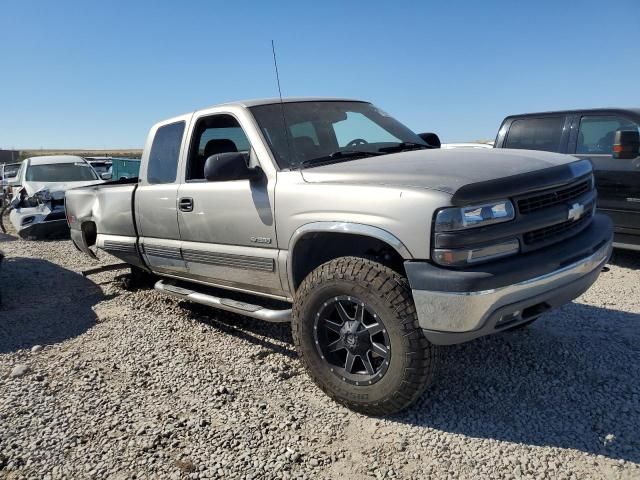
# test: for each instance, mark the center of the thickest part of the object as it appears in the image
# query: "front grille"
(555, 197)
(555, 231)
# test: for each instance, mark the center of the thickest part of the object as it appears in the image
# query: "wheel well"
(314, 249)
(89, 233)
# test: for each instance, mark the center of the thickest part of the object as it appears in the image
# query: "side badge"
(260, 240)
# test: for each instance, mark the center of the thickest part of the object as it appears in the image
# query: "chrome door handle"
(186, 204)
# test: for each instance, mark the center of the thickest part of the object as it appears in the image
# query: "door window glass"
(213, 135)
(536, 134)
(596, 133)
(165, 151)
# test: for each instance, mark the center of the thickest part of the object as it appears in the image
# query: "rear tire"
(394, 362)
(138, 279)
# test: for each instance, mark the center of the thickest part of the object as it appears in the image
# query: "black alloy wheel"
(352, 339)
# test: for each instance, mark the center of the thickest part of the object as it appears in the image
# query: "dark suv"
(608, 137)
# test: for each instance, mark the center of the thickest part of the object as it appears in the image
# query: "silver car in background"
(38, 202)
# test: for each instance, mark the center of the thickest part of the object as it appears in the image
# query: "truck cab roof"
(633, 111)
(270, 101)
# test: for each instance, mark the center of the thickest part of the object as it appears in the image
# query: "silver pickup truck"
(377, 246)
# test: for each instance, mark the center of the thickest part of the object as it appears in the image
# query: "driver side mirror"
(105, 176)
(626, 144)
(225, 167)
(430, 139)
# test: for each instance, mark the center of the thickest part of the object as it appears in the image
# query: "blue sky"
(91, 74)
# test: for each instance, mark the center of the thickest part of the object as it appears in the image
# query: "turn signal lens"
(460, 257)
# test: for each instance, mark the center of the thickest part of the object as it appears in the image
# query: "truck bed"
(102, 215)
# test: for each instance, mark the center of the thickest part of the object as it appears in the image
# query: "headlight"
(460, 218)
(453, 221)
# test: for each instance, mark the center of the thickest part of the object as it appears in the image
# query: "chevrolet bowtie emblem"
(575, 212)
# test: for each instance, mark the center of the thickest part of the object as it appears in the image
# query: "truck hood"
(443, 170)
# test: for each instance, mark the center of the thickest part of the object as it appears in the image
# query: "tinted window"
(596, 133)
(60, 172)
(165, 150)
(213, 135)
(536, 134)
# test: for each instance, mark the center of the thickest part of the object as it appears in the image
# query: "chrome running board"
(228, 304)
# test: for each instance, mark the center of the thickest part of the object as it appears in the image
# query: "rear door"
(155, 199)
(617, 180)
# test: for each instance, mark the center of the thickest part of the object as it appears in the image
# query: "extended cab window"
(213, 135)
(536, 134)
(165, 151)
(596, 133)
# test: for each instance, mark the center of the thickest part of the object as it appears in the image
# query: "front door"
(227, 227)
(617, 180)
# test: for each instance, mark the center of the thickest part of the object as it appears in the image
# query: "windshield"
(330, 131)
(60, 172)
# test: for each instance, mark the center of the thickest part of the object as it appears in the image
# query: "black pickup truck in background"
(609, 138)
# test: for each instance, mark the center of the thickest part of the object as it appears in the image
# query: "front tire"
(356, 331)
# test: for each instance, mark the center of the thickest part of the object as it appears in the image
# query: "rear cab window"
(164, 155)
(540, 133)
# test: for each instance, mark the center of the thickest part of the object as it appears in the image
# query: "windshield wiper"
(341, 155)
(402, 146)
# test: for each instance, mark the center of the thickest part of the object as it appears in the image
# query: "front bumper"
(44, 229)
(463, 305)
(42, 221)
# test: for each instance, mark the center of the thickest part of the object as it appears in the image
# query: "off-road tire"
(413, 360)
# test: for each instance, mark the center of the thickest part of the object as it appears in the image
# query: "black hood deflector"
(520, 184)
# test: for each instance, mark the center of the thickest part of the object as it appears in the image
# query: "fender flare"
(342, 227)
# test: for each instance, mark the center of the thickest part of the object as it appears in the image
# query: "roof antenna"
(284, 120)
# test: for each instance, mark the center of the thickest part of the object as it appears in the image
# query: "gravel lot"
(99, 382)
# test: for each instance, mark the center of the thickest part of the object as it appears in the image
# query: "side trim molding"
(162, 251)
(229, 260)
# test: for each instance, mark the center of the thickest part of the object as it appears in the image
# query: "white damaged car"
(38, 204)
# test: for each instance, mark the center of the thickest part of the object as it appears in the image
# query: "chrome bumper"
(455, 317)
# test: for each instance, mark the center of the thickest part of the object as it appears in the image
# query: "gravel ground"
(99, 382)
